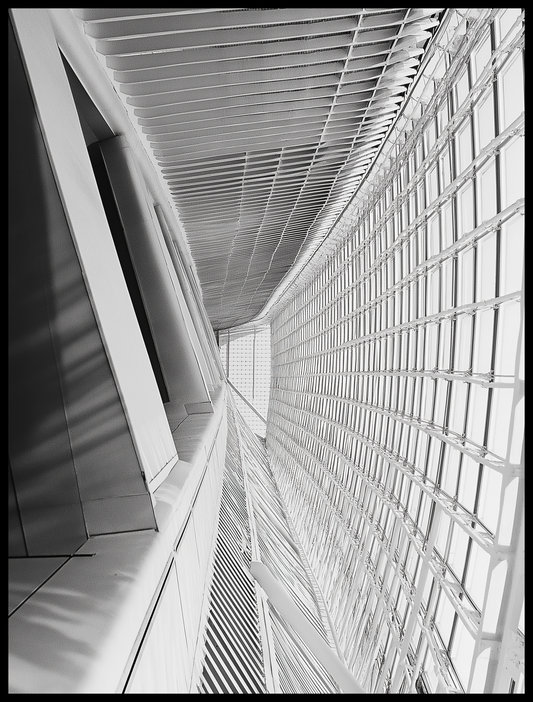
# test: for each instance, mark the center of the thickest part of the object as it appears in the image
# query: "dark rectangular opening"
(121, 245)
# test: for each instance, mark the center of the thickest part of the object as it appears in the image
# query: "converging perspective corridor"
(266, 350)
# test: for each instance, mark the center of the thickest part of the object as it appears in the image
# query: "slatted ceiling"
(250, 35)
(180, 22)
(261, 121)
(189, 71)
(107, 14)
(250, 122)
(243, 53)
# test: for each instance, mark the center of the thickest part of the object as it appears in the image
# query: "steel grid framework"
(395, 427)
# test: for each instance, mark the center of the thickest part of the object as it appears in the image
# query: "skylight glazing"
(395, 426)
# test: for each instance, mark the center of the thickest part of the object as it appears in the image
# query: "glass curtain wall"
(395, 425)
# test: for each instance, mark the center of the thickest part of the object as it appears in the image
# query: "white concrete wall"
(88, 225)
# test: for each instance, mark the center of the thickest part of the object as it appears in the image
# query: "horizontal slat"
(243, 65)
(104, 14)
(179, 23)
(252, 35)
(179, 57)
(352, 92)
(224, 80)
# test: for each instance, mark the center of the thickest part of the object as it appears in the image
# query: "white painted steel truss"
(395, 427)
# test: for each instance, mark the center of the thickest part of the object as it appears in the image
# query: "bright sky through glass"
(247, 367)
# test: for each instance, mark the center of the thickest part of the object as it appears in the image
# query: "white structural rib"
(292, 614)
(262, 122)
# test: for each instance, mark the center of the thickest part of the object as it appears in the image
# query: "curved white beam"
(305, 630)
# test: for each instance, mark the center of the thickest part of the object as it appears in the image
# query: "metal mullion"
(468, 393)
(230, 558)
(497, 281)
(227, 527)
(225, 565)
(482, 469)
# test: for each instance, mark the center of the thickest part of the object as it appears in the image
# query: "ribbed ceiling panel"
(262, 121)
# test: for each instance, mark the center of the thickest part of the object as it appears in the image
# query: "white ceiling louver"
(262, 122)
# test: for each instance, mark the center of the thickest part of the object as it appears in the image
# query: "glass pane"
(431, 135)
(442, 117)
(444, 617)
(489, 503)
(512, 255)
(483, 341)
(458, 407)
(465, 209)
(465, 291)
(447, 225)
(487, 192)
(451, 470)
(431, 360)
(462, 88)
(476, 576)
(468, 483)
(446, 174)
(462, 652)
(507, 19)
(434, 235)
(463, 342)
(440, 402)
(506, 350)
(428, 391)
(458, 548)
(486, 267)
(512, 171)
(512, 91)
(481, 57)
(477, 414)
(444, 363)
(434, 291)
(485, 121)
(464, 146)
(447, 284)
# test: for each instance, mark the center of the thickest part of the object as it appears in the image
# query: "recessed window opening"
(95, 130)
